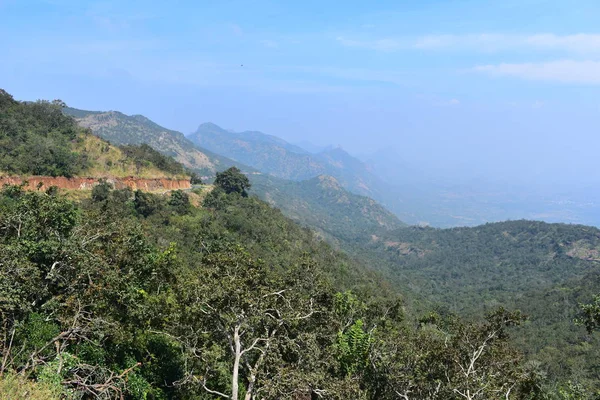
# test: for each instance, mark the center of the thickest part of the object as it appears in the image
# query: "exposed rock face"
(82, 183)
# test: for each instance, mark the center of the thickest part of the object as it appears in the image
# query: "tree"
(180, 202)
(195, 178)
(233, 180)
(146, 204)
(590, 315)
(101, 191)
(236, 311)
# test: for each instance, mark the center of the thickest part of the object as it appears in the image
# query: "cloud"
(483, 42)
(565, 71)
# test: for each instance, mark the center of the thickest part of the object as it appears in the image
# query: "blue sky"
(499, 89)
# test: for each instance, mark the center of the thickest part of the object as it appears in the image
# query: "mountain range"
(322, 202)
(276, 157)
(122, 129)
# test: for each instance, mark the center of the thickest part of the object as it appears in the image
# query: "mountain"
(121, 129)
(305, 202)
(276, 157)
(39, 140)
(324, 205)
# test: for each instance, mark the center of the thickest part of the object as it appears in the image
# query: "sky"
(500, 90)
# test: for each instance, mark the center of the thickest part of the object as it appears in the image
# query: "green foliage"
(353, 347)
(144, 155)
(127, 296)
(324, 205)
(17, 387)
(590, 315)
(35, 139)
(101, 191)
(232, 180)
(180, 202)
(195, 178)
(146, 204)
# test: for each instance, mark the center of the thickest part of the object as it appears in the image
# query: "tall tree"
(232, 180)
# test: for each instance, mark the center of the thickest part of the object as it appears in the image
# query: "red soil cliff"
(88, 183)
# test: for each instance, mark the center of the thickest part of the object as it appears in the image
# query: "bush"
(16, 387)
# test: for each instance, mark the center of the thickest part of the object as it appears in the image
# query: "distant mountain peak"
(210, 126)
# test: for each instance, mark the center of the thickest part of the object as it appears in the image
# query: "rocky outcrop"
(83, 183)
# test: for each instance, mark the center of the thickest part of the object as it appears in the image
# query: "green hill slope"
(37, 139)
(470, 268)
(324, 205)
(334, 212)
(543, 269)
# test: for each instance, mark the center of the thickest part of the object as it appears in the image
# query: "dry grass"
(15, 387)
(109, 161)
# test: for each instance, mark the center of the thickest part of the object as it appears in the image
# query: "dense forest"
(134, 295)
(144, 296)
(544, 270)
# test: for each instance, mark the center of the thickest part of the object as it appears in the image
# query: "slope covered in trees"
(36, 138)
(329, 209)
(324, 205)
(543, 269)
(135, 295)
(144, 296)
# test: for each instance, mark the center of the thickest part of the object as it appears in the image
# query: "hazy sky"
(503, 89)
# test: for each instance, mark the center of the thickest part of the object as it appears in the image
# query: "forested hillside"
(332, 210)
(144, 296)
(137, 295)
(128, 294)
(543, 269)
(37, 139)
(323, 204)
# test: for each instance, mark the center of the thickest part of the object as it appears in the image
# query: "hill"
(274, 156)
(142, 296)
(333, 213)
(543, 269)
(146, 297)
(122, 129)
(322, 204)
(38, 140)
(482, 266)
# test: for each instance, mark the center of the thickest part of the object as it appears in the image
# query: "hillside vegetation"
(329, 209)
(543, 269)
(139, 296)
(36, 138)
(133, 295)
(323, 204)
